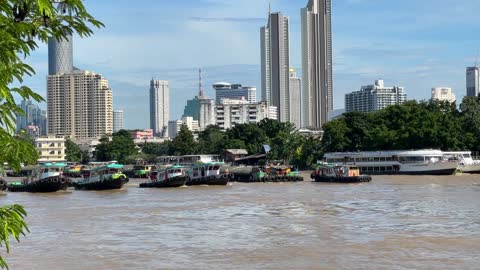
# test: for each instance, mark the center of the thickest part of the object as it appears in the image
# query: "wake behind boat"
(104, 177)
(171, 177)
(45, 178)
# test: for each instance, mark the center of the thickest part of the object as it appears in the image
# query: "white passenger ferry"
(415, 162)
(466, 163)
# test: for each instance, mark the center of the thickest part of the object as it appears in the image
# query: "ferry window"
(389, 159)
(467, 156)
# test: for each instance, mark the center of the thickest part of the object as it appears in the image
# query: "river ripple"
(391, 223)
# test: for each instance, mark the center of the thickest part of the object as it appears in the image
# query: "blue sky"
(411, 43)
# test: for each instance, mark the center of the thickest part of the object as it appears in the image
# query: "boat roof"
(54, 165)
(427, 152)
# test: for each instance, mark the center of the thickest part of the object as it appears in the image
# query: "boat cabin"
(171, 172)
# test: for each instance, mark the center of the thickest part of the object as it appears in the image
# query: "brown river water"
(395, 222)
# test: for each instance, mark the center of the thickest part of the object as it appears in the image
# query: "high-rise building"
(225, 90)
(231, 112)
(317, 98)
(79, 105)
(207, 113)
(60, 55)
(374, 97)
(159, 107)
(175, 126)
(275, 63)
(443, 94)
(117, 120)
(473, 81)
(295, 99)
(33, 119)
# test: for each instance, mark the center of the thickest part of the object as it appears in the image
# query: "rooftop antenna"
(200, 86)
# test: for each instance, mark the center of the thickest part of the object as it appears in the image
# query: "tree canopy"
(118, 148)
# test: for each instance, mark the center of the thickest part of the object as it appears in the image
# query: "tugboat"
(208, 174)
(104, 177)
(175, 176)
(330, 173)
(46, 178)
(281, 174)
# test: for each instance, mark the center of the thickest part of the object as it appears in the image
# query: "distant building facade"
(207, 113)
(50, 149)
(175, 126)
(79, 105)
(443, 94)
(234, 112)
(159, 107)
(142, 134)
(34, 118)
(275, 64)
(117, 120)
(317, 90)
(225, 90)
(473, 81)
(295, 99)
(374, 97)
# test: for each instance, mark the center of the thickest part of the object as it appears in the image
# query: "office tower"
(60, 55)
(34, 119)
(79, 105)
(317, 98)
(295, 99)
(275, 63)
(117, 120)
(374, 97)
(443, 94)
(232, 112)
(473, 81)
(159, 107)
(175, 126)
(225, 90)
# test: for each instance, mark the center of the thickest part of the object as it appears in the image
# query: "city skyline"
(363, 51)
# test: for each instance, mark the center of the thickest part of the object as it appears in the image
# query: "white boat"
(414, 162)
(466, 163)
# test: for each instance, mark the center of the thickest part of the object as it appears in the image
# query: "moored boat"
(281, 173)
(104, 177)
(175, 176)
(46, 178)
(208, 174)
(414, 162)
(466, 164)
(330, 173)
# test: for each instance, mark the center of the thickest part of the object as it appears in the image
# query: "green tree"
(273, 127)
(24, 23)
(156, 149)
(73, 153)
(184, 143)
(285, 146)
(252, 136)
(213, 140)
(118, 148)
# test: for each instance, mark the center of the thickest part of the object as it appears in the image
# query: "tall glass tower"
(60, 56)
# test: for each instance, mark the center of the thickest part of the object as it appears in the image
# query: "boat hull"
(221, 180)
(169, 183)
(107, 184)
(343, 179)
(471, 168)
(47, 185)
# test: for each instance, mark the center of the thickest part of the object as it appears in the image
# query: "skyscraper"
(34, 116)
(275, 63)
(60, 55)
(225, 90)
(473, 81)
(79, 105)
(317, 98)
(295, 99)
(374, 97)
(117, 120)
(159, 107)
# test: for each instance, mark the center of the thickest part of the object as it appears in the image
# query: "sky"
(410, 43)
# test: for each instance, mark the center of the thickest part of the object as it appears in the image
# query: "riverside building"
(231, 112)
(50, 149)
(275, 64)
(317, 90)
(473, 81)
(159, 107)
(443, 94)
(374, 97)
(225, 90)
(79, 105)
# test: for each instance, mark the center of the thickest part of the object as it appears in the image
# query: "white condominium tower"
(159, 107)
(79, 105)
(275, 64)
(317, 98)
